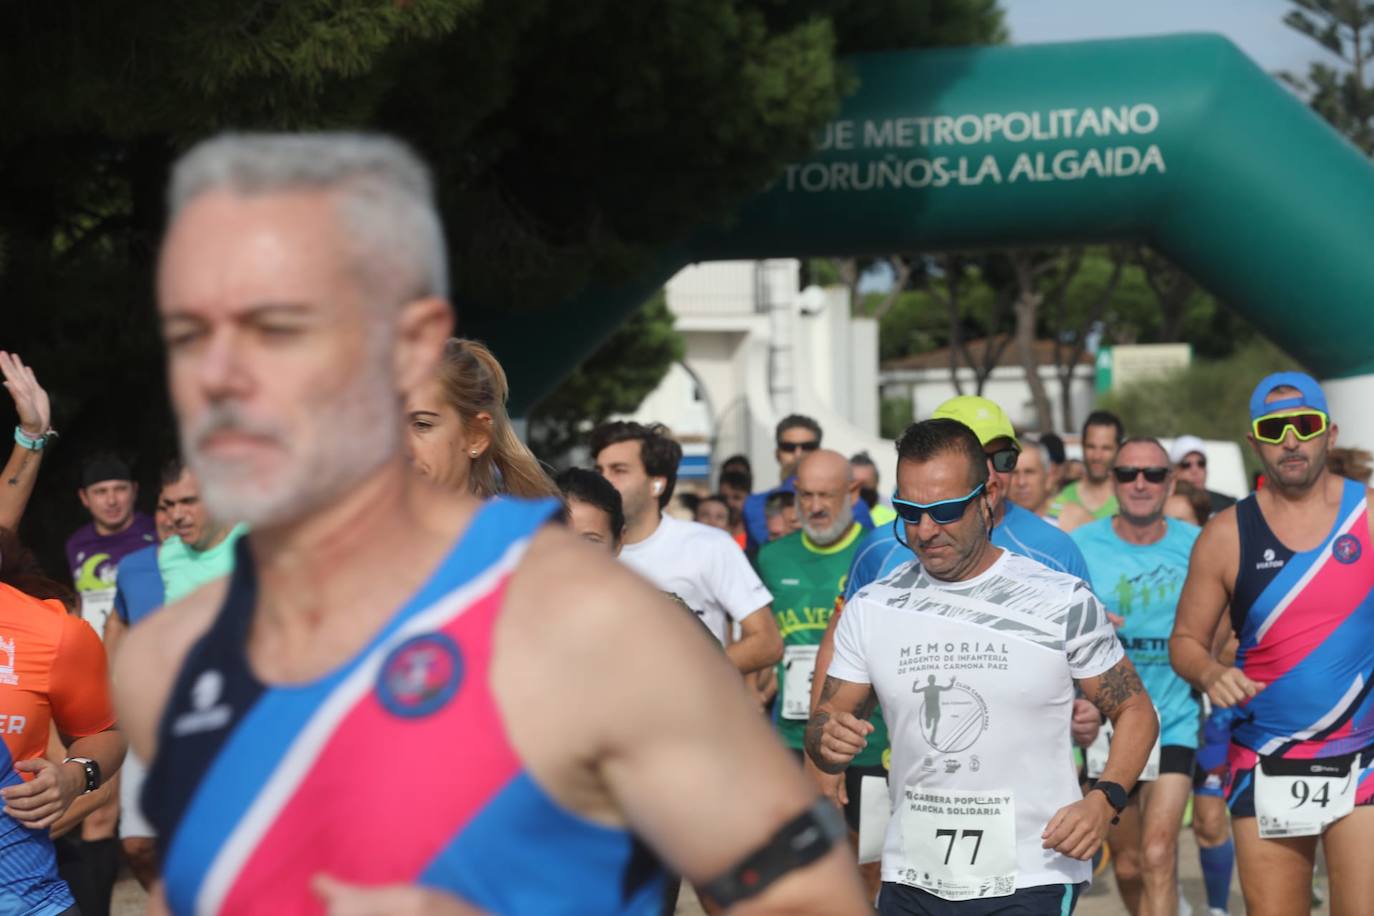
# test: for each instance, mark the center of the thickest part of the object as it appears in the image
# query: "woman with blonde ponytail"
(460, 435)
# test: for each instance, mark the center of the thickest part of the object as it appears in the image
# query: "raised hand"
(30, 400)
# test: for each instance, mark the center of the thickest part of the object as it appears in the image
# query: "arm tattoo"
(23, 463)
(812, 740)
(829, 688)
(816, 726)
(1115, 687)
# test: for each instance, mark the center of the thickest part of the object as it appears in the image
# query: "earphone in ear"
(658, 487)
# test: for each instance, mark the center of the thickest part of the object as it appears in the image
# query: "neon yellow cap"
(984, 417)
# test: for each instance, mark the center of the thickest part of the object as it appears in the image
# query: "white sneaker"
(1184, 907)
(1216, 911)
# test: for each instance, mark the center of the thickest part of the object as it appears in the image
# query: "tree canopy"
(569, 141)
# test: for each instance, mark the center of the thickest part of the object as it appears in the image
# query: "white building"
(925, 379)
(757, 350)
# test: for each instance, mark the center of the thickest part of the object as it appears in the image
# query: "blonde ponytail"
(473, 382)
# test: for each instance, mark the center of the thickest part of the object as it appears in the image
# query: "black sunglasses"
(1193, 463)
(803, 446)
(1128, 474)
(1004, 460)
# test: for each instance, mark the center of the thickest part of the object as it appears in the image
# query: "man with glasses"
(1189, 456)
(1294, 564)
(796, 436)
(1013, 528)
(1139, 561)
(986, 806)
(1092, 497)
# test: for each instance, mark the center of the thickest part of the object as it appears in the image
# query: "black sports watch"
(92, 769)
(1116, 796)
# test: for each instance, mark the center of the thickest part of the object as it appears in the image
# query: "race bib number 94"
(959, 845)
(1303, 797)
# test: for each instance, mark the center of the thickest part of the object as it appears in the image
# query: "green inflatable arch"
(1181, 142)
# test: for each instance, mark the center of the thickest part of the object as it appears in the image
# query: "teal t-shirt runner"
(184, 570)
(1142, 585)
(806, 582)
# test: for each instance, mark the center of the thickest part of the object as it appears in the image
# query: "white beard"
(824, 537)
(340, 443)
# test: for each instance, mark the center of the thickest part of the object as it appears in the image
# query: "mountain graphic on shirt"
(1140, 590)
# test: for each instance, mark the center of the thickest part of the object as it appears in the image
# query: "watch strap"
(92, 772)
(1111, 792)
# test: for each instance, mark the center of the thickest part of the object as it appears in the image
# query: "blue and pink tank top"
(1305, 621)
(395, 768)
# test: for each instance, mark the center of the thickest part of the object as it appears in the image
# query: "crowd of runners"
(370, 657)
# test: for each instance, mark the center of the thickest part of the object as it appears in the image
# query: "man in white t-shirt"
(701, 565)
(973, 653)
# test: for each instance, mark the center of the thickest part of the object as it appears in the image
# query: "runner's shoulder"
(23, 613)
(778, 550)
(1219, 538)
(882, 590)
(1097, 529)
(698, 535)
(1074, 515)
(150, 658)
(1048, 586)
(568, 590)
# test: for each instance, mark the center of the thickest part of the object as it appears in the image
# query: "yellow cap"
(985, 418)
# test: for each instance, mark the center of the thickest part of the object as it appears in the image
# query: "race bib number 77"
(959, 845)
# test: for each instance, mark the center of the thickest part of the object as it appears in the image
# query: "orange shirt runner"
(52, 670)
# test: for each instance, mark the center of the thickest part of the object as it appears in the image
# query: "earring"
(473, 453)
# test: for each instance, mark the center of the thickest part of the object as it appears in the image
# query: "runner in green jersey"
(806, 572)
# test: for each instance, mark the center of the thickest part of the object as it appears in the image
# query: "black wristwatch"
(1116, 796)
(92, 769)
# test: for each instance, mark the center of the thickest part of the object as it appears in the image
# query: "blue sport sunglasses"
(944, 512)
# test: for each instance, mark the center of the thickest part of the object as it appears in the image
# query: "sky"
(1255, 25)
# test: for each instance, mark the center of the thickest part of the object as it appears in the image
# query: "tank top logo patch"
(1346, 549)
(420, 675)
(1269, 562)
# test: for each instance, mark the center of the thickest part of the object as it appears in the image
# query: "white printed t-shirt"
(1004, 649)
(704, 567)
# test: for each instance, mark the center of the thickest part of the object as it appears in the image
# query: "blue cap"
(1309, 394)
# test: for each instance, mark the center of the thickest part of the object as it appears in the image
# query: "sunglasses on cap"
(1127, 474)
(809, 446)
(944, 512)
(1004, 460)
(1273, 429)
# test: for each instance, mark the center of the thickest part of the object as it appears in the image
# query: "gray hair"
(1045, 460)
(383, 191)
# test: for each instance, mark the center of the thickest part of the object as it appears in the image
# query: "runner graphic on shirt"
(930, 705)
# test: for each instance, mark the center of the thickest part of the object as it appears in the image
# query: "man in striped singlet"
(404, 700)
(1294, 564)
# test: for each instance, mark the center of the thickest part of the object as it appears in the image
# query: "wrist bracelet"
(33, 444)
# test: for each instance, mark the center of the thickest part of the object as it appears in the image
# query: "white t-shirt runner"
(975, 679)
(704, 567)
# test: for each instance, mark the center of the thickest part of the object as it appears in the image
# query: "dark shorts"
(1240, 779)
(1045, 900)
(853, 780)
(1173, 758)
